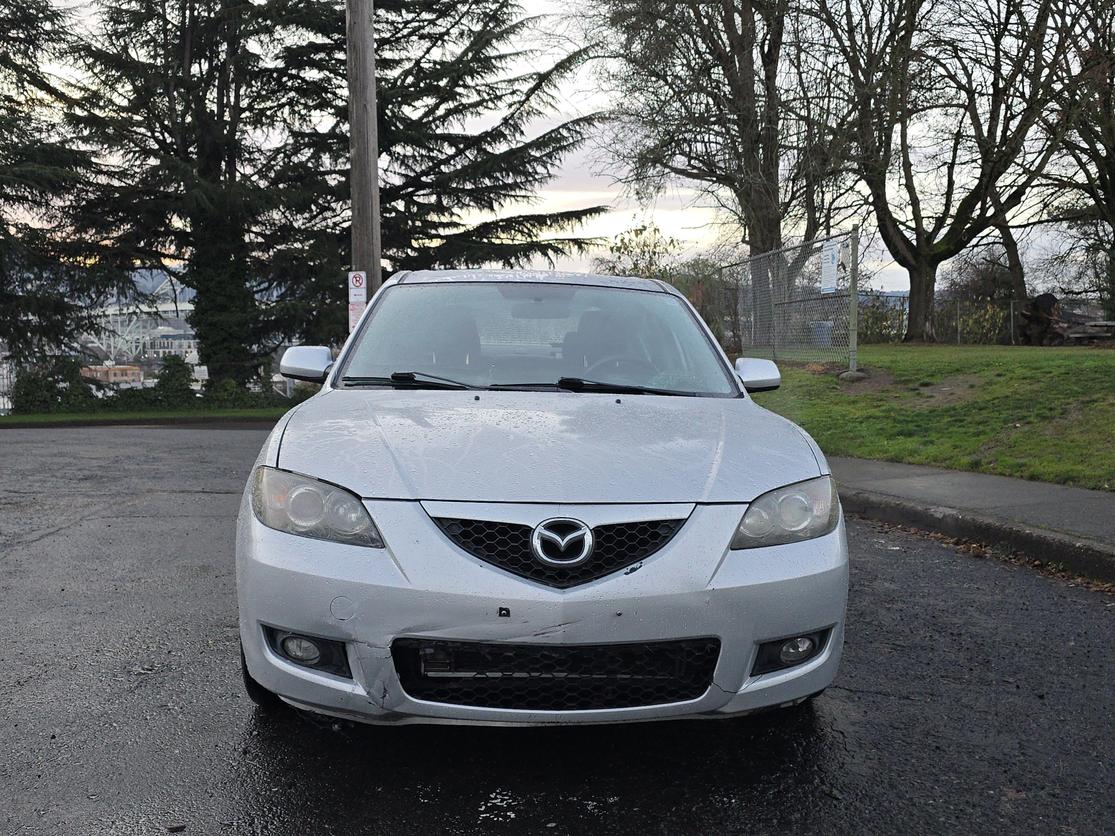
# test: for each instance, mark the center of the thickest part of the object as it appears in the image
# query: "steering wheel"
(619, 359)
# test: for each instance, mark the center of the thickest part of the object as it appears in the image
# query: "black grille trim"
(541, 677)
(507, 545)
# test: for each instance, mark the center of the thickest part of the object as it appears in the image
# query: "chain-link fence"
(980, 321)
(792, 304)
(7, 382)
(883, 319)
(795, 305)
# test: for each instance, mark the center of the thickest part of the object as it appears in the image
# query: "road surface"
(975, 695)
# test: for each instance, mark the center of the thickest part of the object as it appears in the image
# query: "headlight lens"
(790, 514)
(304, 506)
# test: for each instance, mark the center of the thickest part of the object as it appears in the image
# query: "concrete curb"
(1090, 558)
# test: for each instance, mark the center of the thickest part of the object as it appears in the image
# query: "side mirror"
(758, 375)
(306, 362)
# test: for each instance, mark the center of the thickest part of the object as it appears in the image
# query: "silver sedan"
(537, 498)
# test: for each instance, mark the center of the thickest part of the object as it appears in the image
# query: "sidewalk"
(1051, 523)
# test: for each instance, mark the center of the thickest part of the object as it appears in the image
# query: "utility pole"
(363, 141)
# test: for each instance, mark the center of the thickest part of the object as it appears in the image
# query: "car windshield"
(508, 334)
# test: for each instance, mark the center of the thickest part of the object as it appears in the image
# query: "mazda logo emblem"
(561, 541)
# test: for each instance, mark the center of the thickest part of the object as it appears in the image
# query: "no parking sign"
(357, 296)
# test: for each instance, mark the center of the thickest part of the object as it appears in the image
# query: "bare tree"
(946, 99)
(1084, 182)
(721, 94)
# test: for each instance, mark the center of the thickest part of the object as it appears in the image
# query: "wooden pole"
(363, 141)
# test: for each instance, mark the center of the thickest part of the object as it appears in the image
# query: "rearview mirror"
(306, 362)
(758, 375)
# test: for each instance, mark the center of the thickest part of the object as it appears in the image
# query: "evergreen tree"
(171, 103)
(45, 286)
(222, 126)
(459, 97)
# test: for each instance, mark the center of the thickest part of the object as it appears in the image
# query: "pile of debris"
(1044, 322)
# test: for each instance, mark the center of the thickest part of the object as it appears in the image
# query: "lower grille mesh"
(555, 677)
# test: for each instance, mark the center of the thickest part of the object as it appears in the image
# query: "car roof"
(532, 276)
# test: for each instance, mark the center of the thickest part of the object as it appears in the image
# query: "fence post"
(958, 322)
(1012, 322)
(853, 303)
(772, 280)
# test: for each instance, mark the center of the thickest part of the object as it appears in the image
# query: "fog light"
(779, 654)
(796, 650)
(322, 655)
(301, 650)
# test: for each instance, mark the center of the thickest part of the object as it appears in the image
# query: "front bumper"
(423, 586)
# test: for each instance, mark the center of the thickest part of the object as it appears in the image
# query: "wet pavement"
(975, 695)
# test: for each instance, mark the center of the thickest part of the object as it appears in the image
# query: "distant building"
(118, 376)
(180, 343)
(130, 335)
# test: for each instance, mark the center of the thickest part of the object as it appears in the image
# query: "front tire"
(263, 698)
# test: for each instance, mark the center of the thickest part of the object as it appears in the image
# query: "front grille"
(507, 546)
(555, 677)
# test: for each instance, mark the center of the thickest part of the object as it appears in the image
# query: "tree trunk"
(224, 315)
(919, 324)
(766, 278)
(761, 300)
(1018, 290)
(1109, 295)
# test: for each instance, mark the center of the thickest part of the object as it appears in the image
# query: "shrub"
(227, 394)
(53, 386)
(132, 400)
(172, 386)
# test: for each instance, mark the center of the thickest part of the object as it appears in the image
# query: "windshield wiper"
(408, 380)
(578, 384)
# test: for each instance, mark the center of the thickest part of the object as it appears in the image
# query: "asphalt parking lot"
(975, 695)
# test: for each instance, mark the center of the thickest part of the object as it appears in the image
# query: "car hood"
(553, 447)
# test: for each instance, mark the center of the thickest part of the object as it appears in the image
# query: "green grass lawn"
(185, 415)
(1038, 413)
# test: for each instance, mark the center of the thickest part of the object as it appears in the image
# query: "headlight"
(304, 506)
(787, 515)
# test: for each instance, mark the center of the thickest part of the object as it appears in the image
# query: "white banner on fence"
(357, 296)
(830, 261)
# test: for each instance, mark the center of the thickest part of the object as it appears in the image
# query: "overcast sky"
(586, 179)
